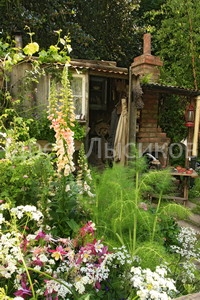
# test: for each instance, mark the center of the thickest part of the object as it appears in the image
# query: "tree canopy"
(177, 39)
(99, 29)
(113, 29)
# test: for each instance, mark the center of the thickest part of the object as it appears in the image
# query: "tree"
(43, 17)
(113, 29)
(99, 29)
(178, 42)
(112, 26)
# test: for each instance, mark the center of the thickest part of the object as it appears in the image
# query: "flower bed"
(36, 265)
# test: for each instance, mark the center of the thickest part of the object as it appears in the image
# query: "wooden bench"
(185, 177)
(173, 198)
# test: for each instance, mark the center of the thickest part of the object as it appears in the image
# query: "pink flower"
(23, 291)
(143, 206)
(89, 228)
(50, 294)
(40, 235)
(58, 253)
(38, 250)
(38, 262)
(91, 251)
(24, 244)
(97, 285)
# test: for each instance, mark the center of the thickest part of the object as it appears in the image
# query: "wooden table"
(186, 180)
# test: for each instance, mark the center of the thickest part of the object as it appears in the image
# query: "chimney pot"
(147, 64)
(147, 44)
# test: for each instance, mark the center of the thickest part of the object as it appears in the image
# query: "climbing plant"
(171, 120)
(41, 62)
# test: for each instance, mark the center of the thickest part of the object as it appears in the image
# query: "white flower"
(9, 269)
(136, 270)
(98, 246)
(152, 285)
(29, 210)
(4, 206)
(31, 237)
(187, 239)
(2, 219)
(91, 194)
(37, 268)
(43, 257)
(67, 188)
(80, 283)
(161, 271)
(3, 134)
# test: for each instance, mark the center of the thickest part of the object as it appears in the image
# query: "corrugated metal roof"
(170, 89)
(110, 67)
(98, 66)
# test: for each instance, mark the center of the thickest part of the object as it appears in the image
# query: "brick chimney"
(147, 64)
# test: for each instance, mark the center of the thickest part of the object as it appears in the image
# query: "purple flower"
(38, 262)
(23, 291)
(40, 235)
(97, 285)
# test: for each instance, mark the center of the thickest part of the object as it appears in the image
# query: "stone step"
(152, 124)
(149, 129)
(154, 133)
(150, 111)
(195, 296)
(154, 140)
(187, 223)
(195, 220)
(149, 120)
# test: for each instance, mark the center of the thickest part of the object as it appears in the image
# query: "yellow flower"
(56, 255)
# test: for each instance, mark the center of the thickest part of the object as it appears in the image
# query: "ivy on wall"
(172, 117)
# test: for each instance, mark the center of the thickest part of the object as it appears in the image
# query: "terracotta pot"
(178, 168)
(189, 172)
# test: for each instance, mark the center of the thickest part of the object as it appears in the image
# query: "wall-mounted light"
(189, 116)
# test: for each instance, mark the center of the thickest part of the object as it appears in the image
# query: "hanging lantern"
(189, 116)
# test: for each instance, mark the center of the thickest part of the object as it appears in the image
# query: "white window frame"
(83, 106)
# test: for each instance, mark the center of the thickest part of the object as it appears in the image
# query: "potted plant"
(79, 134)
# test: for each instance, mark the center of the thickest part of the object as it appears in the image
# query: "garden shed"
(105, 87)
(106, 95)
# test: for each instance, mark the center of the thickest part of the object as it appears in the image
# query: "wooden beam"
(196, 127)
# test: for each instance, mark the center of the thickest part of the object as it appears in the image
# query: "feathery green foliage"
(152, 254)
(122, 210)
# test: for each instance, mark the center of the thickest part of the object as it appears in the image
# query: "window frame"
(83, 95)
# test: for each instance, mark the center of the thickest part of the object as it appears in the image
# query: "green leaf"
(53, 48)
(73, 225)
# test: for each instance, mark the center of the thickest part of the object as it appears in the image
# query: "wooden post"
(189, 146)
(132, 110)
(196, 127)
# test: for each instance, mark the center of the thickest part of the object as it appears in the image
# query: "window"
(98, 93)
(78, 92)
